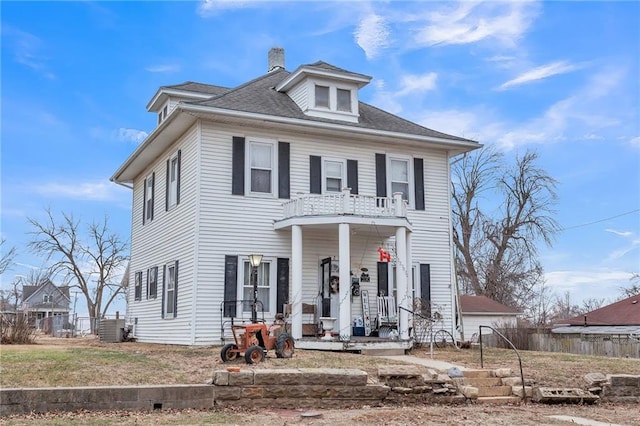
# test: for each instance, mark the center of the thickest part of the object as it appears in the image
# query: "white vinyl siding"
(228, 225)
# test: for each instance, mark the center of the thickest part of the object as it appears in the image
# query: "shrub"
(16, 330)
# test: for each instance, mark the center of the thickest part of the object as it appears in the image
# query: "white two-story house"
(292, 166)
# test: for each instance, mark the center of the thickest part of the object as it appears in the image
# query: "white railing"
(345, 203)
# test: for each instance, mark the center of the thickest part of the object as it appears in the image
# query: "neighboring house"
(290, 165)
(619, 321)
(480, 310)
(45, 300)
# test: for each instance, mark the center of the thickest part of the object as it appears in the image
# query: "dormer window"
(322, 96)
(344, 100)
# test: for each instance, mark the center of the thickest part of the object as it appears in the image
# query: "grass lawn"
(87, 362)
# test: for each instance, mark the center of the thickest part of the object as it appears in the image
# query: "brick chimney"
(276, 59)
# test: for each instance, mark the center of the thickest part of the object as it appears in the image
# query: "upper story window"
(343, 100)
(47, 298)
(322, 96)
(149, 194)
(261, 167)
(400, 176)
(334, 175)
(173, 180)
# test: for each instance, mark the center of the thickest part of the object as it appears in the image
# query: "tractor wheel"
(229, 352)
(284, 346)
(254, 355)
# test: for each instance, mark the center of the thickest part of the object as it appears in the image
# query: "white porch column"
(296, 282)
(344, 253)
(402, 274)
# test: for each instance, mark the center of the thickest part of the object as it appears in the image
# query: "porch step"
(495, 391)
(382, 351)
(478, 374)
(498, 400)
(479, 382)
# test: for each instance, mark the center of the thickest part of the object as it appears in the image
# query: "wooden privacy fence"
(600, 345)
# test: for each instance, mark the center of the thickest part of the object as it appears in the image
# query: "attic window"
(47, 298)
(322, 96)
(344, 100)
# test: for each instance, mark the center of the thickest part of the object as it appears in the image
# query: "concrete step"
(495, 391)
(478, 373)
(498, 400)
(479, 382)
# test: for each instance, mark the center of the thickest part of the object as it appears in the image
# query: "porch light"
(255, 260)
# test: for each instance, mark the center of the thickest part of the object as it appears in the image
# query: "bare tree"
(633, 288)
(6, 258)
(91, 264)
(500, 214)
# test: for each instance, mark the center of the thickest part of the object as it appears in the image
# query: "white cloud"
(411, 84)
(372, 35)
(27, 49)
(163, 68)
(621, 233)
(208, 8)
(131, 135)
(635, 142)
(471, 22)
(88, 191)
(541, 72)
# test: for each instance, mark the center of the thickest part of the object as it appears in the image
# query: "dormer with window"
(324, 91)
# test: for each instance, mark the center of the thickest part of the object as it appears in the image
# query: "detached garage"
(480, 310)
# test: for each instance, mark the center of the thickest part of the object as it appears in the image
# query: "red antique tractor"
(253, 341)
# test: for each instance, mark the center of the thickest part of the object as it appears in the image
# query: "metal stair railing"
(524, 392)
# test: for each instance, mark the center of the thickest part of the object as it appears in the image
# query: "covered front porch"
(347, 230)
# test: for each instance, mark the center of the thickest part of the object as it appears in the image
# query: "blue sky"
(558, 77)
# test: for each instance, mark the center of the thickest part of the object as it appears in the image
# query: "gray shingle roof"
(192, 86)
(259, 96)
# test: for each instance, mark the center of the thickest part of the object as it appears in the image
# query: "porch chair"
(309, 319)
(387, 318)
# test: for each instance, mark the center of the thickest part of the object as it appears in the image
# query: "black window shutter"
(166, 188)
(418, 175)
(383, 279)
(230, 285)
(352, 175)
(283, 170)
(178, 177)
(175, 291)
(425, 286)
(153, 193)
(144, 201)
(282, 292)
(164, 283)
(381, 175)
(237, 173)
(315, 174)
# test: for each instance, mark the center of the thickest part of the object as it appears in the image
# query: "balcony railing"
(345, 203)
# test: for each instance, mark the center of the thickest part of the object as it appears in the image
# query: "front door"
(325, 286)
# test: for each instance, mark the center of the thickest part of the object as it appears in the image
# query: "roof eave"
(163, 93)
(299, 74)
(454, 145)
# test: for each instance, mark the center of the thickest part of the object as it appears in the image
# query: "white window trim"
(173, 186)
(165, 289)
(324, 175)
(411, 195)
(274, 167)
(332, 111)
(268, 310)
(149, 197)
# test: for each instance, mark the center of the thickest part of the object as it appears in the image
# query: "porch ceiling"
(359, 225)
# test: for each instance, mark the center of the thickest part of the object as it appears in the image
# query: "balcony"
(322, 207)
